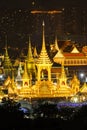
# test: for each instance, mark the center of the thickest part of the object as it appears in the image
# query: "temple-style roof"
(59, 54)
(43, 57)
(72, 55)
(75, 50)
(59, 57)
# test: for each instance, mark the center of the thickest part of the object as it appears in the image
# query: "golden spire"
(43, 58)
(29, 55)
(7, 63)
(35, 52)
(25, 75)
(63, 75)
(63, 78)
(43, 42)
(30, 60)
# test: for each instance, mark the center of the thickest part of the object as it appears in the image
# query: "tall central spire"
(43, 58)
(44, 61)
(43, 42)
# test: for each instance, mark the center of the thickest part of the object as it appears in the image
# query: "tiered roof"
(43, 57)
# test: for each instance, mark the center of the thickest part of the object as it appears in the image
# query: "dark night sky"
(45, 4)
(17, 23)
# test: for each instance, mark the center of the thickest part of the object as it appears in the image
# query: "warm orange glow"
(47, 12)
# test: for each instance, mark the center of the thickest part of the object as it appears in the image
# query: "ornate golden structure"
(43, 87)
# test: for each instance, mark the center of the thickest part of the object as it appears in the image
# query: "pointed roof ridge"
(75, 50)
(30, 55)
(75, 78)
(84, 88)
(59, 54)
(6, 81)
(43, 57)
(56, 43)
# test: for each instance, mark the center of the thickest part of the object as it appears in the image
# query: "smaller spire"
(6, 53)
(7, 62)
(25, 75)
(29, 55)
(63, 75)
(35, 52)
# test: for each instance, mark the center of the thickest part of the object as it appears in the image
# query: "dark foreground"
(54, 117)
(43, 124)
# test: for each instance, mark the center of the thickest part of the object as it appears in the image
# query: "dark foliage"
(49, 117)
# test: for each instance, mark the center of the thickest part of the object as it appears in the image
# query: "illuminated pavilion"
(44, 86)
